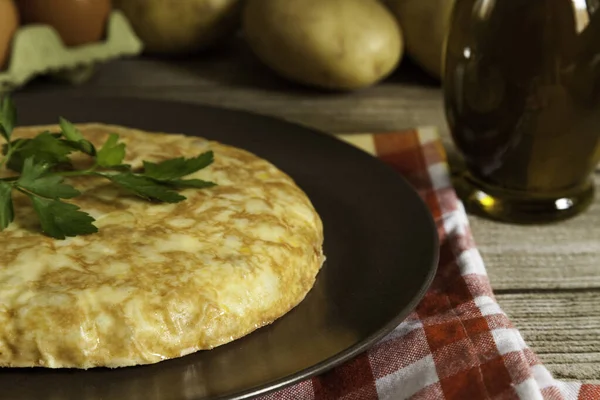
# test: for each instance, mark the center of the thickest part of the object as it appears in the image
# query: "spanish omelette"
(158, 281)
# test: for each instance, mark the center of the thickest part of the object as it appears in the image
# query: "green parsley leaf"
(112, 153)
(60, 220)
(190, 183)
(74, 137)
(83, 145)
(44, 148)
(42, 163)
(145, 187)
(177, 167)
(34, 179)
(8, 117)
(69, 130)
(7, 214)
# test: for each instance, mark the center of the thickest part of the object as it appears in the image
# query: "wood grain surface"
(547, 278)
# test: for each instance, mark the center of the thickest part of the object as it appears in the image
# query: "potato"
(334, 44)
(181, 26)
(425, 25)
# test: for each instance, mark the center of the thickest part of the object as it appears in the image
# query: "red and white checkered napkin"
(458, 344)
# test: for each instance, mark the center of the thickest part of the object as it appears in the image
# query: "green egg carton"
(38, 50)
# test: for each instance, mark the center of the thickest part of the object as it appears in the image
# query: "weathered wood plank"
(563, 328)
(234, 79)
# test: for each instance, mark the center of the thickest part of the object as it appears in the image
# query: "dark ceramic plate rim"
(354, 350)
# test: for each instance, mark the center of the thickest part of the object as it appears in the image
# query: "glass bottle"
(522, 96)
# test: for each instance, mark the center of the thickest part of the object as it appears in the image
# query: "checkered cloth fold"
(458, 344)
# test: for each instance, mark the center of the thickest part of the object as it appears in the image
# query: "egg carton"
(39, 50)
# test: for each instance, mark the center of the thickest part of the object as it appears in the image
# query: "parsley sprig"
(42, 163)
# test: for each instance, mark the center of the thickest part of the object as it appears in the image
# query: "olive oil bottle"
(522, 96)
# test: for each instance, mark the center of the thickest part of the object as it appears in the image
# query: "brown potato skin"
(425, 24)
(332, 44)
(172, 27)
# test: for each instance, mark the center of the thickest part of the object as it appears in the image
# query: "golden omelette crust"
(159, 280)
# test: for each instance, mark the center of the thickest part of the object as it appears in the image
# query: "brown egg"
(9, 22)
(77, 21)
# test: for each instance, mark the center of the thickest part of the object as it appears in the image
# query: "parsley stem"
(20, 189)
(10, 150)
(66, 174)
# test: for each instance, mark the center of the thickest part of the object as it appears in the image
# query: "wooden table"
(546, 278)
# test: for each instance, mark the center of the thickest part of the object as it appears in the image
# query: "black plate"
(380, 241)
